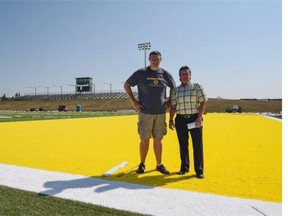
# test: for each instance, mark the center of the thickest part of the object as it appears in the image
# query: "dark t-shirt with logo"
(152, 88)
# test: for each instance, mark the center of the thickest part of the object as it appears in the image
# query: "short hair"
(184, 68)
(155, 52)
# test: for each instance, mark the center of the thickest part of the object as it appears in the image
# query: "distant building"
(83, 84)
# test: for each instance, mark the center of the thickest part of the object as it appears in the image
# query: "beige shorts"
(152, 125)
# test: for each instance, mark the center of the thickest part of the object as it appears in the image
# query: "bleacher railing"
(72, 95)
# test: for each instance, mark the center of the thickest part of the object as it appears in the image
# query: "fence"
(73, 95)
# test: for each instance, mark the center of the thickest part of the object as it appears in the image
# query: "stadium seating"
(81, 96)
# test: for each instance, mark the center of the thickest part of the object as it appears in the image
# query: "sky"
(233, 48)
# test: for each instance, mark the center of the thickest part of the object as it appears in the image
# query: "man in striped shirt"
(188, 101)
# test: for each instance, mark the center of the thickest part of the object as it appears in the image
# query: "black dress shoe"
(200, 176)
(181, 172)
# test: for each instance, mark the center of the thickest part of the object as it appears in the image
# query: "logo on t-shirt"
(155, 80)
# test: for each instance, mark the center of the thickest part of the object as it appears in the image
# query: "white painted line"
(273, 118)
(132, 197)
(5, 117)
(114, 169)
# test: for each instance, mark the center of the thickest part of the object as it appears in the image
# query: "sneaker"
(162, 169)
(141, 168)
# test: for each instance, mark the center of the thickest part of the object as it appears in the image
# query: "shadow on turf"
(152, 180)
(56, 187)
(99, 185)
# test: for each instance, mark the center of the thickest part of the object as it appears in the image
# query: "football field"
(243, 153)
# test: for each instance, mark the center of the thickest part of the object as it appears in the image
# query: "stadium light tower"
(35, 89)
(47, 87)
(110, 84)
(60, 89)
(144, 46)
(94, 88)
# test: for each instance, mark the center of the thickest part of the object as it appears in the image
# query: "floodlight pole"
(75, 88)
(60, 89)
(144, 46)
(47, 87)
(110, 84)
(33, 88)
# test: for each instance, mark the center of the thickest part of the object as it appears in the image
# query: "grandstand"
(83, 91)
(80, 96)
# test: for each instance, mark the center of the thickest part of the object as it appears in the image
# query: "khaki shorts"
(152, 125)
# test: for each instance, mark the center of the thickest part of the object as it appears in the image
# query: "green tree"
(4, 98)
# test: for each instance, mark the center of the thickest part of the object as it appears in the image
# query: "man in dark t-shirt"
(151, 82)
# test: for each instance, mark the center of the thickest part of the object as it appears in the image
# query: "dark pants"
(181, 122)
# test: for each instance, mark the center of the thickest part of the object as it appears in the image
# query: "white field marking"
(273, 118)
(5, 117)
(115, 168)
(132, 169)
(132, 197)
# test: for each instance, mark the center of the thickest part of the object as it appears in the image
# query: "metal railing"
(72, 95)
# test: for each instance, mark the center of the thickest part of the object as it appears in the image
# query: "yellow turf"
(242, 152)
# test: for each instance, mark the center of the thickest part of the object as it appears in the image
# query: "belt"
(187, 115)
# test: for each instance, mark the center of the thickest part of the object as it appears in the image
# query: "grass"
(19, 202)
(9, 116)
(213, 105)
